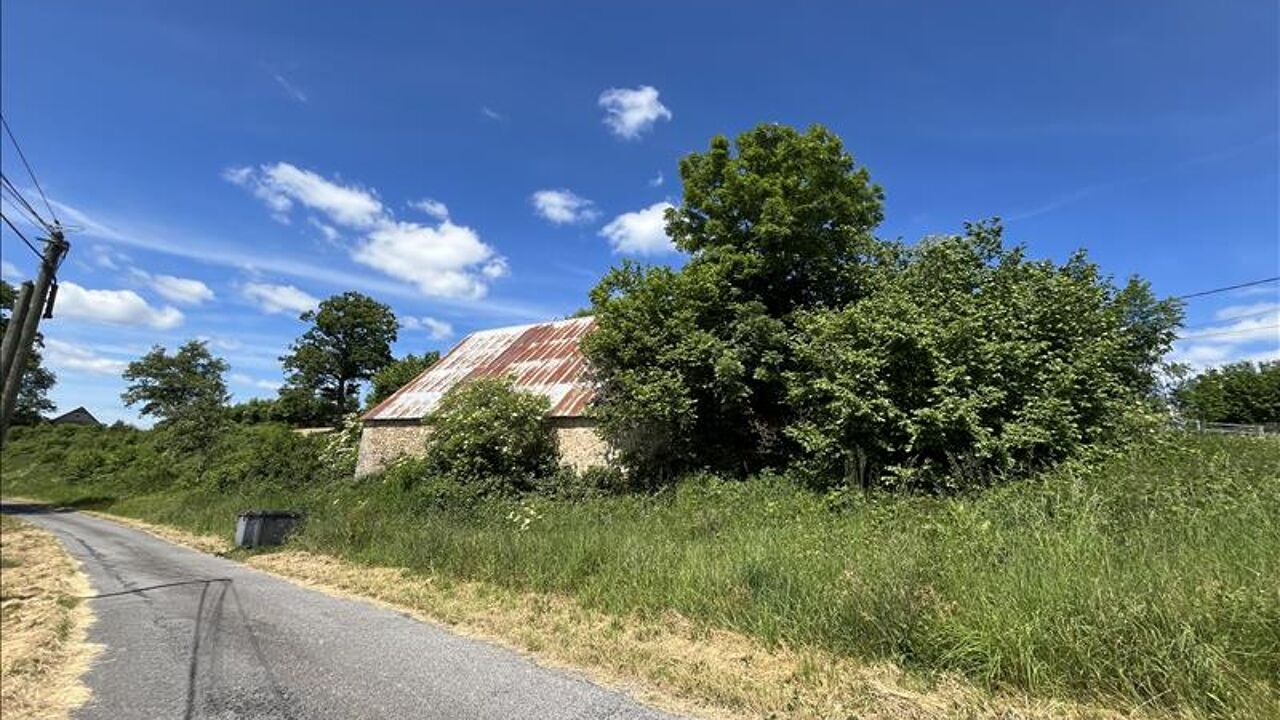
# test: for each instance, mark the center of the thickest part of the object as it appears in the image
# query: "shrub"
(489, 435)
(970, 362)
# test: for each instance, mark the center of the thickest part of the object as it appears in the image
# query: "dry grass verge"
(43, 625)
(668, 662)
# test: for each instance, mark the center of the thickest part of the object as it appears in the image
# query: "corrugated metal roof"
(544, 358)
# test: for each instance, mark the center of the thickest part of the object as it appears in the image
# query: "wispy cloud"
(657, 180)
(1074, 196)
(67, 356)
(435, 329)
(293, 91)
(250, 381)
(492, 114)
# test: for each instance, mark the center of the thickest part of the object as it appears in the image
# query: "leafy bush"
(266, 456)
(970, 362)
(488, 435)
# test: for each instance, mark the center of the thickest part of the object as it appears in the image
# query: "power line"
(21, 204)
(1241, 331)
(18, 232)
(1229, 287)
(26, 164)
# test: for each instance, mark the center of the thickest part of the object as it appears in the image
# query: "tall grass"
(1151, 578)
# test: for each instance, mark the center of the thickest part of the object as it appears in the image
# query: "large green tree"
(349, 340)
(1243, 392)
(37, 380)
(690, 362)
(398, 374)
(185, 387)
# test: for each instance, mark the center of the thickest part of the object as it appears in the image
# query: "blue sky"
(481, 164)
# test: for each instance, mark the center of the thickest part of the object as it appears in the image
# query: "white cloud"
(113, 307)
(447, 260)
(1236, 311)
(290, 89)
(186, 291)
(280, 299)
(436, 329)
(280, 185)
(249, 381)
(642, 232)
(629, 112)
(492, 114)
(563, 206)
(9, 271)
(1248, 333)
(105, 257)
(67, 356)
(657, 180)
(434, 208)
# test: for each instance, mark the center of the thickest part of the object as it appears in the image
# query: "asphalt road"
(190, 635)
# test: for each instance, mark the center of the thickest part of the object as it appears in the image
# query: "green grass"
(1150, 578)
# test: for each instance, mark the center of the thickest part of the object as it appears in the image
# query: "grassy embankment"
(42, 625)
(1147, 582)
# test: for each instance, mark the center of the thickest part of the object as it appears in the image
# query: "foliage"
(1244, 392)
(185, 391)
(971, 361)
(690, 362)
(488, 435)
(398, 374)
(1143, 580)
(349, 340)
(37, 380)
(253, 411)
(794, 337)
(301, 407)
(342, 447)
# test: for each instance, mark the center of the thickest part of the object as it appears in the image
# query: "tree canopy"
(691, 361)
(187, 385)
(794, 337)
(349, 340)
(1243, 392)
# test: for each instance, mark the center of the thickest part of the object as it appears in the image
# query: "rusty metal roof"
(543, 358)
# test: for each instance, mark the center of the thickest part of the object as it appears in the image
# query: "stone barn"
(544, 358)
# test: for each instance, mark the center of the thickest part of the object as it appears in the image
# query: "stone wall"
(381, 442)
(581, 447)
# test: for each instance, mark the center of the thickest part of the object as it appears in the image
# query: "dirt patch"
(43, 625)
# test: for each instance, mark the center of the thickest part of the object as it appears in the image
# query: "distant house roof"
(544, 358)
(79, 416)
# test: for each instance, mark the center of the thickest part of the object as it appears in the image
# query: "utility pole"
(11, 338)
(28, 315)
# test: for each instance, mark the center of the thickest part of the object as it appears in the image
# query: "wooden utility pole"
(24, 324)
(10, 345)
